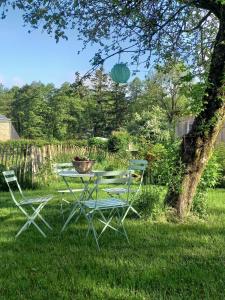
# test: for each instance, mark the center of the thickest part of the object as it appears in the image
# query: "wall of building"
(7, 131)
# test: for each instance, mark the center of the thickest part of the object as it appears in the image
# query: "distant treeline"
(97, 106)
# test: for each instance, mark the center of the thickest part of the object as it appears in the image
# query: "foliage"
(163, 168)
(119, 141)
(209, 179)
(98, 142)
(149, 202)
(73, 111)
(219, 154)
(30, 110)
(140, 27)
(160, 102)
(151, 125)
(195, 95)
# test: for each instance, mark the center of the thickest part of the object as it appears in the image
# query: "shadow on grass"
(163, 261)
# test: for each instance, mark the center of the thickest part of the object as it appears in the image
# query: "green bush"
(220, 157)
(149, 203)
(163, 163)
(209, 179)
(119, 141)
(100, 143)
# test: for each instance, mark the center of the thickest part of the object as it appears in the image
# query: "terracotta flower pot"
(83, 166)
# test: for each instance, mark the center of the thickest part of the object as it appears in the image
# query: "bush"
(219, 154)
(119, 141)
(209, 179)
(98, 142)
(163, 163)
(149, 203)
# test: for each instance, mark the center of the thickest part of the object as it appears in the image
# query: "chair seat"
(68, 191)
(36, 200)
(118, 190)
(105, 203)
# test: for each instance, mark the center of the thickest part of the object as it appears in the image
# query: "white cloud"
(2, 81)
(17, 81)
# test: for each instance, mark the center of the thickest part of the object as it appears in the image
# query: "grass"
(164, 260)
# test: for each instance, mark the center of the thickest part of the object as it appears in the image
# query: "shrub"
(208, 180)
(98, 142)
(220, 157)
(149, 203)
(119, 141)
(163, 163)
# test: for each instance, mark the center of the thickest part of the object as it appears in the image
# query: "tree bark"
(197, 145)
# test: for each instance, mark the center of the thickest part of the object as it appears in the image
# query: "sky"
(35, 56)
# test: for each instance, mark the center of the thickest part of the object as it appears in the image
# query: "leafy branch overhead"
(145, 29)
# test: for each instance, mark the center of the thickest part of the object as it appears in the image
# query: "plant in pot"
(83, 164)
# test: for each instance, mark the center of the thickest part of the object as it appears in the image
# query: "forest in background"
(97, 106)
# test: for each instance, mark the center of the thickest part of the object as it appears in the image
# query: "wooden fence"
(28, 161)
(184, 126)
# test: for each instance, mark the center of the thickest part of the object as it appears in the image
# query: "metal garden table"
(87, 192)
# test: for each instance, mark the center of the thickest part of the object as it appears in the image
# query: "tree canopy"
(145, 29)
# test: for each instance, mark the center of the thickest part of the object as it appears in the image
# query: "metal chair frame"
(57, 168)
(24, 203)
(116, 207)
(134, 165)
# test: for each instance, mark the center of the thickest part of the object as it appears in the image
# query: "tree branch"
(198, 26)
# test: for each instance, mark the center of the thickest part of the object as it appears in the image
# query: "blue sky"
(36, 56)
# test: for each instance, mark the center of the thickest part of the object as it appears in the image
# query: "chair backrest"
(121, 178)
(138, 165)
(58, 167)
(13, 185)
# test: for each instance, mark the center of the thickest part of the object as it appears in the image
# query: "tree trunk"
(197, 145)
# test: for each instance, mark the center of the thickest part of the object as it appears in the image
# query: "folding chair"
(25, 203)
(134, 165)
(57, 168)
(110, 208)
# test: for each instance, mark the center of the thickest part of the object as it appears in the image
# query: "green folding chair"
(137, 169)
(26, 205)
(108, 209)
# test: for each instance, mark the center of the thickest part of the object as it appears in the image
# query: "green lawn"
(164, 261)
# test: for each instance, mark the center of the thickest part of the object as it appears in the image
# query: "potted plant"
(83, 164)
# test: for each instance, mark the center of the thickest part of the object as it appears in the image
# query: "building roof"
(3, 118)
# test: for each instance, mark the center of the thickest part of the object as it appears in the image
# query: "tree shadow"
(163, 261)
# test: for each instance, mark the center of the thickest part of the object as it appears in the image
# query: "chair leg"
(90, 218)
(43, 220)
(134, 210)
(39, 229)
(125, 233)
(61, 206)
(27, 224)
(23, 228)
(70, 217)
